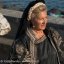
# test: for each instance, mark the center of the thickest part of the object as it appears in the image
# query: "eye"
(46, 17)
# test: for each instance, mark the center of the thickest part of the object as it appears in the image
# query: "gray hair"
(35, 10)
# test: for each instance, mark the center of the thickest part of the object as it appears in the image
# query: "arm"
(20, 50)
(59, 43)
(17, 52)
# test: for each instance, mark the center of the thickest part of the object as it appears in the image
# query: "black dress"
(45, 54)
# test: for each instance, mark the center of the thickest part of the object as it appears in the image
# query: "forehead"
(42, 14)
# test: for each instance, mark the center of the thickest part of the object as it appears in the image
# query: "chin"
(43, 28)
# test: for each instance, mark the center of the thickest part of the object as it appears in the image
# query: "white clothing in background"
(4, 25)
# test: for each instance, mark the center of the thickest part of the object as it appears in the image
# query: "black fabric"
(60, 54)
(46, 53)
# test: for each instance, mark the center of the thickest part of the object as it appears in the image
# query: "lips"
(43, 24)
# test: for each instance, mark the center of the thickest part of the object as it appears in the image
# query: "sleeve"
(4, 25)
(20, 49)
(58, 40)
(60, 44)
(17, 52)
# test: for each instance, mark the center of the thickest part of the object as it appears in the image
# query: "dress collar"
(33, 38)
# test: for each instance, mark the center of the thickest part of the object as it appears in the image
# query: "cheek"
(46, 21)
(37, 23)
(34, 22)
(42, 24)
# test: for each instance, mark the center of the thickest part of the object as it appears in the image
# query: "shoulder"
(57, 38)
(23, 39)
(55, 34)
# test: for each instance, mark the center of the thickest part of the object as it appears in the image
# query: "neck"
(37, 30)
(38, 33)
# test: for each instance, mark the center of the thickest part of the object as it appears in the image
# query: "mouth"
(43, 25)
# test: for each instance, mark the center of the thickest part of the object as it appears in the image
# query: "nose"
(43, 21)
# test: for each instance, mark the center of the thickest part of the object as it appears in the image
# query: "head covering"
(4, 25)
(26, 11)
(23, 21)
(34, 7)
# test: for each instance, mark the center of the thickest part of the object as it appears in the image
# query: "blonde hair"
(35, 10)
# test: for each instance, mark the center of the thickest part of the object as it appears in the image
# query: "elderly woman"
(39, 44)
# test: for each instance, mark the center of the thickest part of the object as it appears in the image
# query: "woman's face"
(40, 22)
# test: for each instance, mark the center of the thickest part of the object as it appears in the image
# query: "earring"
(33, 26)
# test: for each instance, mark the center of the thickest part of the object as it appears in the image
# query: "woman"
(39, 44)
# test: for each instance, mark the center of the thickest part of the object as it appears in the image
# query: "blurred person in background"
(4, 25)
